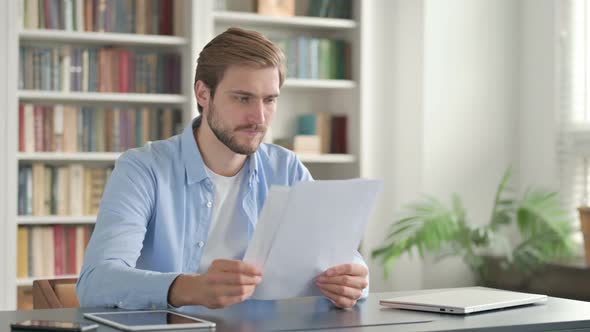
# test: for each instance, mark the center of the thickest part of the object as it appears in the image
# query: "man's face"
(243, 107)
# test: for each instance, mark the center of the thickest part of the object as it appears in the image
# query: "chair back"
(55, 294)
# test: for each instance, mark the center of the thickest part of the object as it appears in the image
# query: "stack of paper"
(305, 229)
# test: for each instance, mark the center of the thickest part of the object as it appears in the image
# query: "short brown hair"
(236, 46)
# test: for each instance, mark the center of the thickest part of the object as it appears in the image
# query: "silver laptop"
(462, 300)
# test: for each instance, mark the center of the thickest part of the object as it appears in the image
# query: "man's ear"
(203, 93)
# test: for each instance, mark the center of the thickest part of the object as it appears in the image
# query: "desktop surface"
(307, 314)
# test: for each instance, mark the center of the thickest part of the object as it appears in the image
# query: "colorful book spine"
(316, 58)
(106, 69)
(122, 16)
(48, 251)
(69, 128)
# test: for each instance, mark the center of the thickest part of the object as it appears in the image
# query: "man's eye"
(270, 100)
(243, 99)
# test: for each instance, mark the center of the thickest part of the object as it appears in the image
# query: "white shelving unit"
(328, 158)
(253, 19)
(187, 45)
(101, 38)
(202, 23)
(297, 83)
(299, 96)
(69, 157)
(102, 97)
(51, 220)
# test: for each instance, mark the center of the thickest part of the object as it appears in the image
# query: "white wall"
(392, 143)
(447, 78)
(537, 126)
(470, 107)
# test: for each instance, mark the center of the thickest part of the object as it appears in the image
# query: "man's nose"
(256, 114)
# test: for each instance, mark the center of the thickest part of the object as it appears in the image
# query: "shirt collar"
(193, 161)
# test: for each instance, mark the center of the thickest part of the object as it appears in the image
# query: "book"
(307, 144)
(59, 237)
(316, 58)
(58, 128)
(37, 256)
(63, 191)
(48, 256)
(76, 189)
(276, 7)
(80, 248)
(68, 128)
(23, 252)
(105, 69)
(330, 8)
(339, 141)
(316, 124)
(48, 251)
(71, 250)
(39, 189)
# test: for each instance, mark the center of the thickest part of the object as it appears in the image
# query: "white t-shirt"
(227, 238)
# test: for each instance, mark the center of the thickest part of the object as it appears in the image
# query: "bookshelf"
(183, 42)
(102, 97)
(310, 94)
(201, 23)
(87, 157)
(332, 158)
(101, 38)
(50, 220)
(301, 22)
(298, 83)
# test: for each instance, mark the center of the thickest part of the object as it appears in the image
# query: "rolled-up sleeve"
(109, 276)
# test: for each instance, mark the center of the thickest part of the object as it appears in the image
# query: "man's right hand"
(226, 282)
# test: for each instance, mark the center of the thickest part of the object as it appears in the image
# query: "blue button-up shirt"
(155, 214)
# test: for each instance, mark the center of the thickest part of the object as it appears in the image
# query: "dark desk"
(304, 314)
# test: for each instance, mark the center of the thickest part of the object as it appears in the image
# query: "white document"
(305, 229)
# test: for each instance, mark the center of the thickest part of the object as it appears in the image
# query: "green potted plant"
(428, 226)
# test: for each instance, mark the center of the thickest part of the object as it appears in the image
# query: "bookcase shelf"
(101, 38)
(69, 157)
(327, 158)
(299, 83)
(29, 281)
(101, 97)
(50, 220)
(305, 22)
(199, 23)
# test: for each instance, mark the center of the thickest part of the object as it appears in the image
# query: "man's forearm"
(114, 284)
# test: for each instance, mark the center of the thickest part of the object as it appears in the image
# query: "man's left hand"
(343, 284)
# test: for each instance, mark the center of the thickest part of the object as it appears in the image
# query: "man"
(177, 215)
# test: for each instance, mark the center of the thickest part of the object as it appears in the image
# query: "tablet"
(148, 320)
(463, 300)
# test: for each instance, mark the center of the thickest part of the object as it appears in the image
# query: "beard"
(227, 135)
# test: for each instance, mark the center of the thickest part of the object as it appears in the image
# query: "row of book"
(319, 133)
(47, 251)
(316, 58)
(125, 16)
(330, 8)
(88, 69)
(60, 190)
(70, 128)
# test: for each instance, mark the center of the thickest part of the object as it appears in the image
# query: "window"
(574, 102)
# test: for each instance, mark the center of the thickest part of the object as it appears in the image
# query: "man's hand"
(226, 282)
(343, 284)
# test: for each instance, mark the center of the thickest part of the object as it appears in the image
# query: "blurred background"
(486, 100)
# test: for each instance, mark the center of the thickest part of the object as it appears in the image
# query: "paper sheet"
(306, 229)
